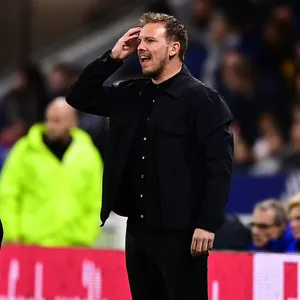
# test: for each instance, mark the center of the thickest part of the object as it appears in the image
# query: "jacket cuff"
(209, 224)
(107, 59)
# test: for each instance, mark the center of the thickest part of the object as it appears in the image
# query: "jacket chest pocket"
(174, 129)
(174, 125)
(172, 117)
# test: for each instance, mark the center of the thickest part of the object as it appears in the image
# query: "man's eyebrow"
(147, 37)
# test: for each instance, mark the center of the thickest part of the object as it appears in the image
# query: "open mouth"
(145, 58)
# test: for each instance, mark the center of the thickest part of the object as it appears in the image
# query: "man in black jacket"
(169, 159)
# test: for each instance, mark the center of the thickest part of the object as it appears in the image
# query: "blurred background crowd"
(248, 50)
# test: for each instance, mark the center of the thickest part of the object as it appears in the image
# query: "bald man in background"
(50, 186)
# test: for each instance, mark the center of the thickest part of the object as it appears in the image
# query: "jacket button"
(105, 59)
(142, 216)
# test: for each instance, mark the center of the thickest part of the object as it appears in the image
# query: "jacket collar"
(175, 85)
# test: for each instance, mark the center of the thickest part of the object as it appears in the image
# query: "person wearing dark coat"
(169, 158)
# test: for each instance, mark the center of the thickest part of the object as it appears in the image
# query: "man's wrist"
(112, 56)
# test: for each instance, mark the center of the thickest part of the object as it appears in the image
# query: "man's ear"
(174, 49)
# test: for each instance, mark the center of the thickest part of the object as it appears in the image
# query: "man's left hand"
(202, 242)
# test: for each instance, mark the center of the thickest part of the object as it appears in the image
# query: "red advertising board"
(62, 274)
(31, 273)
(230, 276)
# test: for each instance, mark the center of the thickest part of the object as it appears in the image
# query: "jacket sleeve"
(215, 140)
(88, 94)
(10, 190)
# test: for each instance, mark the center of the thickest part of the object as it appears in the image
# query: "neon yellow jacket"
(47, 202)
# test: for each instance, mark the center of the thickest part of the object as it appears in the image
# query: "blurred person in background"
(170, 147)
(269, 149)
(293, 210)
(242, 152)
(269, 228)
(274, 67)
(23, 105)
(50, 186)
(284, 16)
(219, 39)
(202, 11)
(276, 50)
(60, 79)
(242, 95)
(291, 159)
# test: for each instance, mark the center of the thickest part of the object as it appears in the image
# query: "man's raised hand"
(127, 44)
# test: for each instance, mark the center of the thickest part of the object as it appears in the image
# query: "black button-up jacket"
(192, 144)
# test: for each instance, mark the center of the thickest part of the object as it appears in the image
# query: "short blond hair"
(294, 202)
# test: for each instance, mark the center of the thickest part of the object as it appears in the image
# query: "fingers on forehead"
(134, 30)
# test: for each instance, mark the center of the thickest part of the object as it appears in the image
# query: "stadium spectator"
(242, 153)
(269, 148)
(218, 40)
(241, 93)
(201, 13)
(23, 105)
(276, 50)
(60, 78)
(50, 186)
(294, 217)
(269, 228)
(291, 161)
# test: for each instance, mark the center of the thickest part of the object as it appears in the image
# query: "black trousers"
(160, 266)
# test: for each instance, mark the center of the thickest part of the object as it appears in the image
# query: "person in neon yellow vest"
(51, 184)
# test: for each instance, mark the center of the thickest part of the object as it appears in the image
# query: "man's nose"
(141, 46)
